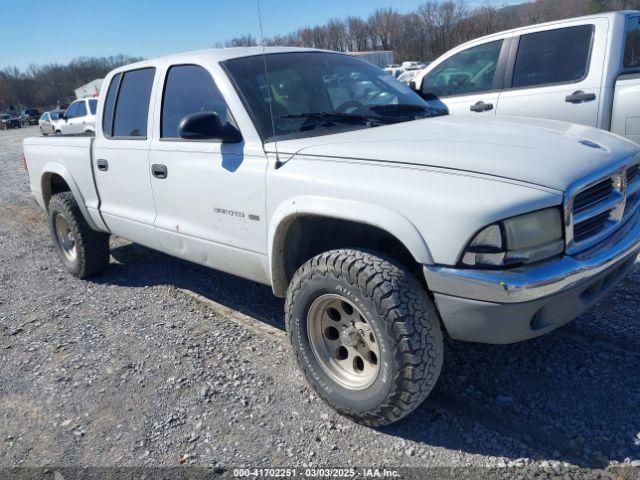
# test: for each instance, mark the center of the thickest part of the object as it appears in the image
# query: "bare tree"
(432, 29)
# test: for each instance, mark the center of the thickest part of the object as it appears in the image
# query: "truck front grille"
(593, 195)
(590, 226)
(596, 207)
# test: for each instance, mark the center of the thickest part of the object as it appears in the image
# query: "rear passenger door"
(556, 73)
(468, 82)
(121, 157)
(209, 196)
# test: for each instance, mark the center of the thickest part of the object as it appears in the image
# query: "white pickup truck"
(379, 219)
(583, 70)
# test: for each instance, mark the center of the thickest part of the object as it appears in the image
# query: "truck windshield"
(317, 93)
(632, 44)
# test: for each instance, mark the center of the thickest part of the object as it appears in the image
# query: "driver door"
(469, 82)
(209, 196)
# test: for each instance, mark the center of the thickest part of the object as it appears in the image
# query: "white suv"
(80, 117)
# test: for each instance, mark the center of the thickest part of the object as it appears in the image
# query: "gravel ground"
(130, 369)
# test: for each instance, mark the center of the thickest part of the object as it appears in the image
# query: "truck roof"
(216, 55)
(610, 15)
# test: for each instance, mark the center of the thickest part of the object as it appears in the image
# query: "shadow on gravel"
(565, 396)
(140, 266)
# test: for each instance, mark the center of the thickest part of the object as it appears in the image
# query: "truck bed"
(68, 156)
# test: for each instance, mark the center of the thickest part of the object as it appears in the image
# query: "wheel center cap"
(350, 337)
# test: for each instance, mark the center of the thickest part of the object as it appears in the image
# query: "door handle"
(481, 107)
(103, 165)
(579, 97)
(159, 171)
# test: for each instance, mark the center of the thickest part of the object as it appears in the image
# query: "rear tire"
(83, 251)
(365, 334)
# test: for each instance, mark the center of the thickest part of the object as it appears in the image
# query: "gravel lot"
(131, 369)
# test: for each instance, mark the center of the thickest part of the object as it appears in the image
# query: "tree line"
(432, 29)
(47, 86)
(423, 34)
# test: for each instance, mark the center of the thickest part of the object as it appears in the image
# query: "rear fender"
(50, 169)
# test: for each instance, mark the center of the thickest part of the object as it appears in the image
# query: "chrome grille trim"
(592, 195)
(601, 212)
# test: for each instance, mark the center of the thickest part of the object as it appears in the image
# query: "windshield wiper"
(336, 116)
(409, 108)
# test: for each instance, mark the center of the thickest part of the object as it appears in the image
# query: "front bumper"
(506, 306)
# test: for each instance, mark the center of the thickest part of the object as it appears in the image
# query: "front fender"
(384, 218)
(52, 168)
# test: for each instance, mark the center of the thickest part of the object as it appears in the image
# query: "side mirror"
(207, 126)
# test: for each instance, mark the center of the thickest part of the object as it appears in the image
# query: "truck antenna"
(278, 163)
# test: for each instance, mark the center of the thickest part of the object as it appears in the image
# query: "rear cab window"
(553, 57)
(631, 59)
(126, 109)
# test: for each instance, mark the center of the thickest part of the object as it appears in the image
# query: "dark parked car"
(30, 116)
(8, 121)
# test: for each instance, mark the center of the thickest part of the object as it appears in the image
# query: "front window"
(467, 72)
(317, 93)
(189, 89)
(93, 105)
(632, 44)
(81, 110)
(72, 111)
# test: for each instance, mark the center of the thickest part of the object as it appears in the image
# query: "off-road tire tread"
(412, 323)
(92, 246)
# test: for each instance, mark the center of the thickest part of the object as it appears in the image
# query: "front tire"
(365, 334)
(83, 251)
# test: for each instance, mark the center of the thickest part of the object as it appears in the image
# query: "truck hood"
(542, 152)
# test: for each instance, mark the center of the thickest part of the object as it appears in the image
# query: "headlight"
(516, 241)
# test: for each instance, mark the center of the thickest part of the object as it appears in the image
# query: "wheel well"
(53, 183)
(308, 236)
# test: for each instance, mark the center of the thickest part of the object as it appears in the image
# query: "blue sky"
(38, 31)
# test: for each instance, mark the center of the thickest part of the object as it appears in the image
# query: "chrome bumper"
(537, 281)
